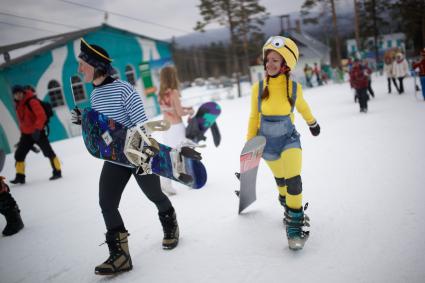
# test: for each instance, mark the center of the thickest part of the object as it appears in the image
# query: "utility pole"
(337, 44)
(356, 24)
(288, 24)
(375, 32)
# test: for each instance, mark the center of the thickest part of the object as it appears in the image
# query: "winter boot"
(119, 257)
(19, 179)
(13, 220)
(171, 229)
(57, 173)
(295, 220)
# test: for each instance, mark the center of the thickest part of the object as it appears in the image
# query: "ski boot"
(119, 256)
(19, 179)
(170, 228)
(295, 220)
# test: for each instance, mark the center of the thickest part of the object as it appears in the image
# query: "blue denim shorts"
(280, 135)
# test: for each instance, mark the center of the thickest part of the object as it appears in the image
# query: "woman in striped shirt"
(119, 100)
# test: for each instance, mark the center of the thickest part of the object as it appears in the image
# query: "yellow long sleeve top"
(277, 104)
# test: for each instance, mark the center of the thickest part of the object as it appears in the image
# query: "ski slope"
(363, 178)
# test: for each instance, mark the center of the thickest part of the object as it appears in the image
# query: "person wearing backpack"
(32, 120)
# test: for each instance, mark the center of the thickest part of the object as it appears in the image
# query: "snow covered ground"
(363, 177)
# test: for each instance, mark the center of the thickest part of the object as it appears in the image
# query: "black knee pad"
(281, 182)
(295, 186)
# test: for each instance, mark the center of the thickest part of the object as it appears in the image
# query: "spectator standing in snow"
(400, 70)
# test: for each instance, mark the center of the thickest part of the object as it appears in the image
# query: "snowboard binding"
(140, 147)
(178, 156)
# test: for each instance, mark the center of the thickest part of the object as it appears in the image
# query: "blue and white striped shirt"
(119, 101)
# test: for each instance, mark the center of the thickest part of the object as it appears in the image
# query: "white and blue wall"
(50, 72)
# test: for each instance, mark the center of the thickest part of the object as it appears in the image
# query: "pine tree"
(326, 4)
(242, 17)
(411, 16)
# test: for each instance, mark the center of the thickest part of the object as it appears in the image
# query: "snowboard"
(249, 160)
(106, 139)
(204, 119)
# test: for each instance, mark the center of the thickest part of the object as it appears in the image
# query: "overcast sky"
(22, 20)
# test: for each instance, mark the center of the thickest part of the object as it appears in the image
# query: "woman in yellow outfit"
(272, 116)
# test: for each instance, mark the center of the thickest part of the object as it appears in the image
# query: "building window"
(78, 89)
(129, 74)
(55, 93)
(389, 43)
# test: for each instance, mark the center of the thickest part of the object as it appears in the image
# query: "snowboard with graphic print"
(106, 139)
(204, 119)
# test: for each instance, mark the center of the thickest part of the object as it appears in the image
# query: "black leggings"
(113, 180)
(363, 97)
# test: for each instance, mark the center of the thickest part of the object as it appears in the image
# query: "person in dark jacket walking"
(31, 119)
(359, 81)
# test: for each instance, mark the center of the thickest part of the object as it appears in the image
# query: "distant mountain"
(272, 26)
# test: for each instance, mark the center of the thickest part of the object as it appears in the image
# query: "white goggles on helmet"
(276, 41)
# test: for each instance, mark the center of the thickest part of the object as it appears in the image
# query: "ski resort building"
(50, 66)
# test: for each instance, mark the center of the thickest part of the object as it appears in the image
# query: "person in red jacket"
(31, 120)
(421, 66)
(359, 81)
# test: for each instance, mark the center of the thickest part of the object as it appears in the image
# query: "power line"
(125, 16)
(39, 20)
(29, 27)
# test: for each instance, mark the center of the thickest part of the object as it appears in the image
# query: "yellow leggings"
(288, 166)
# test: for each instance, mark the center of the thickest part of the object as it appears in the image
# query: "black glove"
(76, 116)
(36, 135)
(314, 129)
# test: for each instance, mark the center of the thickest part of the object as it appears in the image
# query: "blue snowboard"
(105, 138)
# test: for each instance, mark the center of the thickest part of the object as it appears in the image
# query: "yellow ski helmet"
(285, 46)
